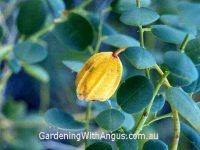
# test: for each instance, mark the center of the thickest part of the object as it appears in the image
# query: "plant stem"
(118, 51)
(176, 129)
(100, 26)
(146, 112)
(147, 71)
(83, 5)
(175, 115)
(158, 118)
(43, 31)
(162, 73)
(141, 37)
(87, 121)
(3, 82)
(184, 43)
(138, 3)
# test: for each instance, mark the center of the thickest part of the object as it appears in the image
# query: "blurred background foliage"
(37, 45)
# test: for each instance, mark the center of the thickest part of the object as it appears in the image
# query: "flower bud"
(99, 77)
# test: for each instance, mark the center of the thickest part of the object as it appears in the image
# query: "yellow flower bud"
(99, 77)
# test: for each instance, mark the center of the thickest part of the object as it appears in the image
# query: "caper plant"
(134, 63)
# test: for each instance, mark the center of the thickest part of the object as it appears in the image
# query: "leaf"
(169, 34)
(73, 65)
(99, 146)
(158, 103)
(181, 67)
(120, 6)
(192, 135)
(155, 145)
(37, 72)
(110, 119)
(140, 57)
(139, 16)
(187, 11)
(194, 87)
(193, 50)
(75, 33)
(14, 65)
(184, 104)
(120, 40)
(56, 7)
(172, 20)
(135, 94)
(62, 120)
(127, 144)
(30, 52)
(14, 110)
(129, 121)
(31, 17)
(165, 6)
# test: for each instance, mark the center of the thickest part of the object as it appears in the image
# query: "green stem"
(141, 37)
(44, 97)
(87, 121)
(138, 3)
(176, 129)
(147, 71)
(3, 82)
(184, 43)
(83, 5)
(100, 26)
(48, 27)
(146, 112)
(175, 116)
(158, 118)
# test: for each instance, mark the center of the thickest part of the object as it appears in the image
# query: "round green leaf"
(192, 135)
(140, 57)
(181, 67)
(193, 50)
(73, 65)
(169, 34)
(170, 19)
(31, 17)
(135, 94)
(14, 65)
(127, 144)
(129, 121)
(139, 16)
(37, 72)
(166, 6)
(120, 40)
(188, 13)
(56, 7)
(110, 119)
(194, 87)
(184, 104)
(99, 146)
(30, 52)
(158, 103)
(120, 6)
(75, 33)
(62, 120)
(14, 110)
(155, 145)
